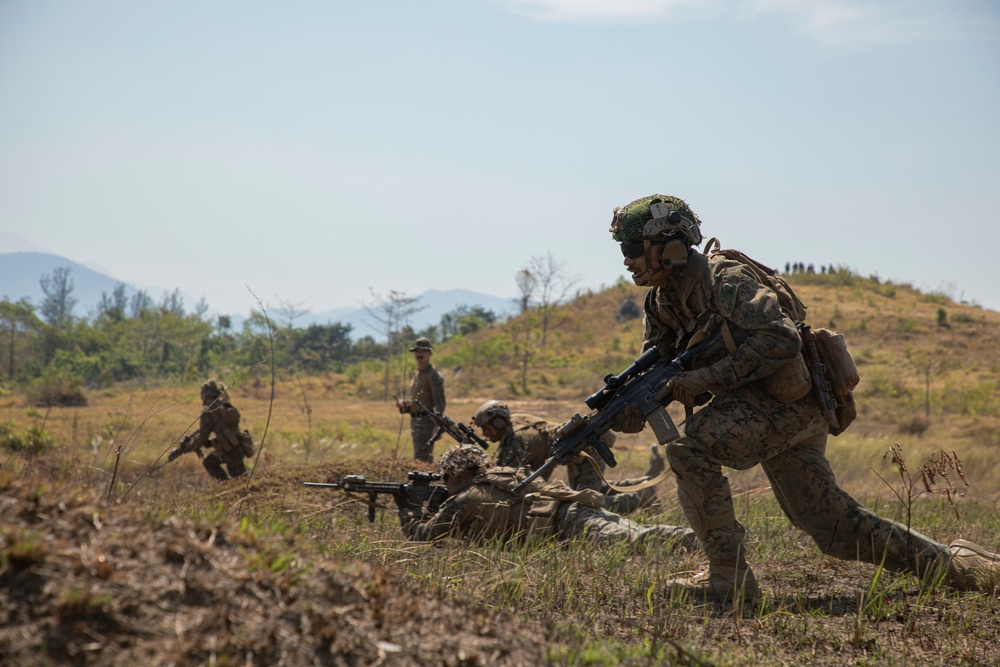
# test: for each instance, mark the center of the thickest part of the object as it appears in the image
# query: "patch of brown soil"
(81, 584)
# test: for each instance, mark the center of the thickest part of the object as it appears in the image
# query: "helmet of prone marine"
(459, 458)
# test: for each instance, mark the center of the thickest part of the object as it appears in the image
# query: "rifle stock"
(638, 384)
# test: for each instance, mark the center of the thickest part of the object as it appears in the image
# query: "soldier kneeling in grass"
(230, 444)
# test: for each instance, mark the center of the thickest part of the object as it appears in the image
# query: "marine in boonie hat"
(422, 344)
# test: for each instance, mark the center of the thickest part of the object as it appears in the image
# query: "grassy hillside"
(105, 559)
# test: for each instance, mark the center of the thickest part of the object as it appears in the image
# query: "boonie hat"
(421, 344)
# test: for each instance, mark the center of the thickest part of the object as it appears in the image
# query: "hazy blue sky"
(316, 150)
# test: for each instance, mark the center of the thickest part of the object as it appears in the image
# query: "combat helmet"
(654, 217)
(212, 389)
(459, 458)
(489, 411)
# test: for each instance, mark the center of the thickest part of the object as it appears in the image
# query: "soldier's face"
(641, 275)
(457, 481)
(423, 357)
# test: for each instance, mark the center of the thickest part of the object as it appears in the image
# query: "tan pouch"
(846, 412)
(228, 439)
(541, 515)
(246, 442)
(841, 371)
(790, 382)
(562, 493)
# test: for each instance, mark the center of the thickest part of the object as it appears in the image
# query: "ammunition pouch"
(790, 382)
(846, 412)
(228, 439)
(246, 443)
(841, 373)
(541, 515)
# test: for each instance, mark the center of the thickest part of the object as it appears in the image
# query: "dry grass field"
(107, 559)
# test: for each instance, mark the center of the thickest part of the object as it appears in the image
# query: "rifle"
(460, 432)
(817, 369)
(186, 445)
(639, 384)
(415, 493)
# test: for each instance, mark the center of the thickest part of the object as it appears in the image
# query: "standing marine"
(762, 412)
(427, 387)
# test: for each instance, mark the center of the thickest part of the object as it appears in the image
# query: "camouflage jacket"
(222, 419)
(487, 508)
(765, 339)
(527, 443)
(427, 387)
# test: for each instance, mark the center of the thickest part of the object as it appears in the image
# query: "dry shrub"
(914, 426)
(57, 392)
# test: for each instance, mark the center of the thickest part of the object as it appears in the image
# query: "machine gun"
(415, 493)
(445, 424)
(640, 384)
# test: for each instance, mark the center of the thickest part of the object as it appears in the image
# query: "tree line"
(129, 337)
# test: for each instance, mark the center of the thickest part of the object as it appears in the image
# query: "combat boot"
(723, 578)
(973, 568)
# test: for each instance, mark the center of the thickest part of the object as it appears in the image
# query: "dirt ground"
(87, 584)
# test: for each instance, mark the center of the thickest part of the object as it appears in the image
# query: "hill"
(107, 558)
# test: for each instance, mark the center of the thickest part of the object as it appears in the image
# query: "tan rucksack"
(790, 304)
(841, 373)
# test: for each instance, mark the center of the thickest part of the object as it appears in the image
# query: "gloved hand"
(406, 510)
(686, 386)
(629, 420)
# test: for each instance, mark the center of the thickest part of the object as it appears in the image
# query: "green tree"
(391, 314)
(18, 324)
(58, 302)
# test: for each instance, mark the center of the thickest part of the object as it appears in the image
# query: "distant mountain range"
(20, 273)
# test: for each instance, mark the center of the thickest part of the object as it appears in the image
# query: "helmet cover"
(459, 458)
(655, 216)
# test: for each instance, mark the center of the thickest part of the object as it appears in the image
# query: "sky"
(315, 153)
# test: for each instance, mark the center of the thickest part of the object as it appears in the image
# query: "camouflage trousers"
(599, 525)
(422, 428)
(233, 460)
(744, 428)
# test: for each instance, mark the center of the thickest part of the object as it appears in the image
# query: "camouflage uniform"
(745, 425)
(427, 387)
(529, 444)
(229, 446)
(487, 509)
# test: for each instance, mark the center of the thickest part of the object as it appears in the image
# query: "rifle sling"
(626, 489)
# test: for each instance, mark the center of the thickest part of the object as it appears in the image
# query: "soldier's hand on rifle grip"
(629, 420)
(689, 388)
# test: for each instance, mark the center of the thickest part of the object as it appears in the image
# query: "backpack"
(790, 304)
(839, 369)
